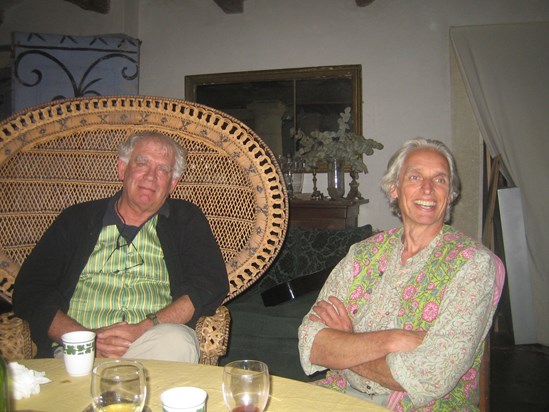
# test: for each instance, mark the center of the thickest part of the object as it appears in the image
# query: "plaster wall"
(402, 45)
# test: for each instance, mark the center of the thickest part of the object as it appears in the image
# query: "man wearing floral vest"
(401, 320)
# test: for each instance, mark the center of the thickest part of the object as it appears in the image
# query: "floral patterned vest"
(420, 302)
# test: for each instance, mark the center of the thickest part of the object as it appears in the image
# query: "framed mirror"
(276, 103)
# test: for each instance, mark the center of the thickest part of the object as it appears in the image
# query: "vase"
(298, 168)
(336, 179)
(292, 170)
(285, 167)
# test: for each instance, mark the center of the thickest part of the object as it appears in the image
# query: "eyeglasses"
(118, 247)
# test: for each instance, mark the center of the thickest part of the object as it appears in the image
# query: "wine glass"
(246, 386)
(118, 386)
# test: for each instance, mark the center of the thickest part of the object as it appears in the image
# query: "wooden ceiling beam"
(228, 6)
(99, 6)
(231, 6)
(362, 3)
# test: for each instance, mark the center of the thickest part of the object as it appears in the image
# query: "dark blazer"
(48, 277)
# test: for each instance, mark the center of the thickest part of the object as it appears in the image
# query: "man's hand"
(333, 314)
(113, 341)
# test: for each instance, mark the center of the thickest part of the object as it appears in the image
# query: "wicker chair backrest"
(64, 152)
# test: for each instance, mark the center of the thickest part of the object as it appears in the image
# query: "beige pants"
(167, 341)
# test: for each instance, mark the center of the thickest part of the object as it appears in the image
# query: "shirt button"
(386, 313)
(368, 387)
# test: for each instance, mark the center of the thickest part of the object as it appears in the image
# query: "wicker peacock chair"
(64, 152)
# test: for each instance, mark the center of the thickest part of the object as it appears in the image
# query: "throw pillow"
(309, 250)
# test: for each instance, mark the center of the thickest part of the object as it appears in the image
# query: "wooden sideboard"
(325, 213)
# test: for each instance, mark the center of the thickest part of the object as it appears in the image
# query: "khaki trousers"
(167, 341)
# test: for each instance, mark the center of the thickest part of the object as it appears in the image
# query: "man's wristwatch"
(154, 318)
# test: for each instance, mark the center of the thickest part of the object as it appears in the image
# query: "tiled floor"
(519, 378)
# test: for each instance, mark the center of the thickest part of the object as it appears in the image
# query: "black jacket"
(48, 277)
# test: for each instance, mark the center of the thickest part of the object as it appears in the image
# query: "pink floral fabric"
(446, 289)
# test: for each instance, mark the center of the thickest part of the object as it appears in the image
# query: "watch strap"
(154, 318)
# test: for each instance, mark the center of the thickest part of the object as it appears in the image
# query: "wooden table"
(68, 394)
(325, 213)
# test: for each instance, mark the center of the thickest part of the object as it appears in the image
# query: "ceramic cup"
(184, 399)
(78, 352)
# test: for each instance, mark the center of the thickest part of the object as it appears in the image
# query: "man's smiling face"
(148, 175)
(423, 188)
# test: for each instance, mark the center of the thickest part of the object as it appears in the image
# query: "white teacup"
(79, 352)
(184, 399)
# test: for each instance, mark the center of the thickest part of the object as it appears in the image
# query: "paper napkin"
(25, 382)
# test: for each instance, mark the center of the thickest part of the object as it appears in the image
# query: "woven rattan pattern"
(214, 338)
(55, 155)
(15, 329)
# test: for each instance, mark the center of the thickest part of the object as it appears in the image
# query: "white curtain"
(506, 73)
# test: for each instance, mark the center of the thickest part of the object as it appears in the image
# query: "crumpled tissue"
(25, 382)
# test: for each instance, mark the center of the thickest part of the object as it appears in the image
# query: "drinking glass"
(246, 386)
(118, 386)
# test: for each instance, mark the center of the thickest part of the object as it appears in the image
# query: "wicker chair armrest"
(15, 338)
(8, 272)
(213, 335)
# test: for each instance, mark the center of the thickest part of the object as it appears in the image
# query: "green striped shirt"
(122, 281)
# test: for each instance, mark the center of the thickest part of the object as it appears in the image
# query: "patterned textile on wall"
(48, 67)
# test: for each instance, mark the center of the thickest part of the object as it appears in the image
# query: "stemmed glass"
(246, 386)
(118, 386)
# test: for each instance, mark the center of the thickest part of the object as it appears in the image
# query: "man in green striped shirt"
(138, 268)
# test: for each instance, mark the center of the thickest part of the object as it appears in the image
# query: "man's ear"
(174, 185)
(393, 192)
(121, 169)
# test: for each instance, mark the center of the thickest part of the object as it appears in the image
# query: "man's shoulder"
(182, 214)
(383, 236)
(451, 234)
(182, 206)
(469, 247)
(87, 206)
(85, 210)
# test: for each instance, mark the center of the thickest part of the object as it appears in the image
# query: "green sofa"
(266, 330)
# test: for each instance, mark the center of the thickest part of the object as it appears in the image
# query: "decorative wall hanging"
(47, 67)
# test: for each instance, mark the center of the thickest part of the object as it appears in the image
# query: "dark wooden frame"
(353, 72)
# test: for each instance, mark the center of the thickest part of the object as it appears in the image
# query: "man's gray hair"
(394, 167)
(125, 150)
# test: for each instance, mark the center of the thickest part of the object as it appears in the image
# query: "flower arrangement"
(342, 145)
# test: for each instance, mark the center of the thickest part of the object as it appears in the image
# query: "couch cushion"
(269, 333)
(309, 250)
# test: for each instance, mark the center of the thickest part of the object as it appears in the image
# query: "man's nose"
(150, 174)
(427, 186)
